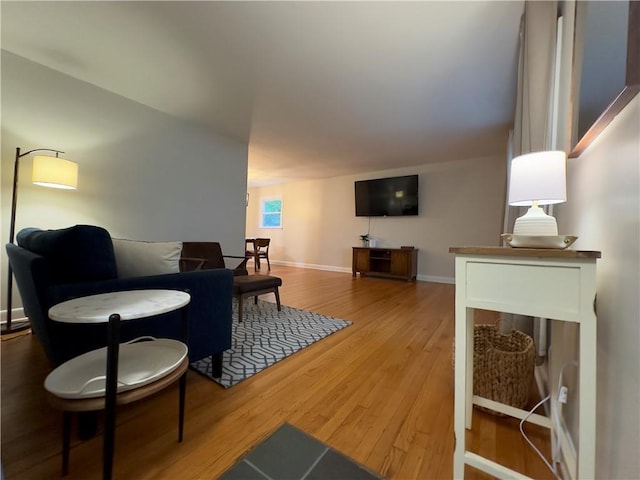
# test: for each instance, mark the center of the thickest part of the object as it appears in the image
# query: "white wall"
(142, 174)
(461, 203)
(603, 209)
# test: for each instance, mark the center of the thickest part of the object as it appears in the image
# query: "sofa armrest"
(32, 275)
(209, 311)
(176, 281)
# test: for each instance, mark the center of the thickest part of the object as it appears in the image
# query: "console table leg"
(587, 395)
(469, 316)
(460, 397)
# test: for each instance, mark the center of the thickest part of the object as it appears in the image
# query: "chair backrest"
(262, 244)
(188, 264)
(211, 252)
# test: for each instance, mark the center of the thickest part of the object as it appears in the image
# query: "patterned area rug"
(267, 336)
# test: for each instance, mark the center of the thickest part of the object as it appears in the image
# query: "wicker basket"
(502, 365)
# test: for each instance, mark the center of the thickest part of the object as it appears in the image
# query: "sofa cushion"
(82, 253)
(139, 259)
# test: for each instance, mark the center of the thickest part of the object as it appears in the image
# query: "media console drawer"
(386, 262)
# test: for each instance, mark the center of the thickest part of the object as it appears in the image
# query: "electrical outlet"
(562, 394)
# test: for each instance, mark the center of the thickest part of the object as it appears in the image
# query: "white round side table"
(118, 374)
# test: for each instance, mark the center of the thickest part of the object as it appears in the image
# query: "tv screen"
(387, 197)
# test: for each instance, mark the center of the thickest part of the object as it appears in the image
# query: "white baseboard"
(312, 266)
(332, 268)
(16, 315)
(436, 279)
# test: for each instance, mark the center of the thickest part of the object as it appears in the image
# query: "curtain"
(536, 58)
(533, 115)
(535, 76)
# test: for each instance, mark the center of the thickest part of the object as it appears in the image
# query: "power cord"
(555, 418)
(551, 467)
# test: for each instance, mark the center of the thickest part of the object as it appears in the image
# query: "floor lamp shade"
(55, 172)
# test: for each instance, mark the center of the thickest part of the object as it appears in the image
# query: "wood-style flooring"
(379, 391)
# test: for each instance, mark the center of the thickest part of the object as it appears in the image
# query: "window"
(271, 213)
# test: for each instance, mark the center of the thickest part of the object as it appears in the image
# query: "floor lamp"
(48, 171)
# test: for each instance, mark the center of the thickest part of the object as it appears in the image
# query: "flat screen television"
(387, 197)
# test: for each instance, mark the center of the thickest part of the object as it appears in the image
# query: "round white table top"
(130, 305)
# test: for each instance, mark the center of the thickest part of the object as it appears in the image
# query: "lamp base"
(535, 222)
(556, 242)
(16, 326)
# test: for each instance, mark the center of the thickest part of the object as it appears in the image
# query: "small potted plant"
(365, 239)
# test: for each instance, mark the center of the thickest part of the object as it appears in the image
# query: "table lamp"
(48, 171)
(537, 178)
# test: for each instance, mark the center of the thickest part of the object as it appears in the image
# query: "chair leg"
(240, 302)
(255, 299)
(268, 264)
(277, 293)
(66, 441)
(182, 394)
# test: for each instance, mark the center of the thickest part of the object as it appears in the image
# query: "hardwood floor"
(379, 391)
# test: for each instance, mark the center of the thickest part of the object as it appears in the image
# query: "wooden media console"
(386, 262)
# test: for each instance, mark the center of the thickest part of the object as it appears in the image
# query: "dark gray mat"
(291, 454)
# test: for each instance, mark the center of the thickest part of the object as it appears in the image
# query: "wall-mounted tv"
(387, 197)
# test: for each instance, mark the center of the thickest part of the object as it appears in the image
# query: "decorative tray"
(540, 241)
(139, 364)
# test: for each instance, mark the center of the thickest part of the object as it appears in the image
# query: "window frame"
(263, 201)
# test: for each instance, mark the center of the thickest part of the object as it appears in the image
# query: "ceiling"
(317, 89)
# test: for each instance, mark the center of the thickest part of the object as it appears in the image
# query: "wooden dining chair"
(260, 250)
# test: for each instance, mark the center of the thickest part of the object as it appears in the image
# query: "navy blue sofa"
(51, 266)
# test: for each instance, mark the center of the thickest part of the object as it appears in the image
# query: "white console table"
(547, 283)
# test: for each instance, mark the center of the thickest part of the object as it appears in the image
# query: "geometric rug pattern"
(265, 337)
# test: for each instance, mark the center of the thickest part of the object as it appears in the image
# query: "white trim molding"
(333, 268)
(17, 315)
(312, 266)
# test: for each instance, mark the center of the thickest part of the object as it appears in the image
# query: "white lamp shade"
(55, 172)
(538, 177)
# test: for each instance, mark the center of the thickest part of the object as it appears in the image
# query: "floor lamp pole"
(12, 226)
